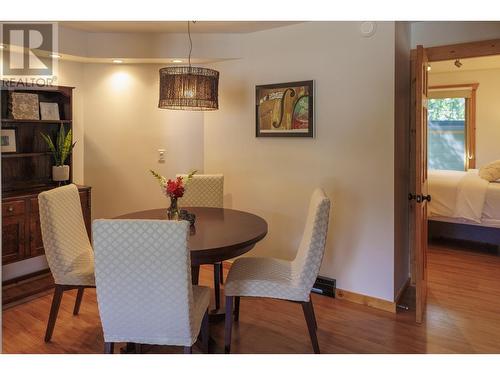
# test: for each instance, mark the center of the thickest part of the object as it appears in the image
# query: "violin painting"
(285, 109)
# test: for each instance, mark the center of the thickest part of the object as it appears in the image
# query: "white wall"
(438, 33)
(487, 108)
(123, 131)
(351, 156)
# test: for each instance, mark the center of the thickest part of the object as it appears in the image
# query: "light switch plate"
(161, 155)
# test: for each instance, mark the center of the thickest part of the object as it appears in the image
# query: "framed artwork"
(8, 140)
(24, 106)
(284, 110)
(49, 111)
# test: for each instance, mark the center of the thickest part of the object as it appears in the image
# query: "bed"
(464, 207)
(463, 198)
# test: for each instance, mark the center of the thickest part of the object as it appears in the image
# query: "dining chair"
(67, 247)
(143, 281)
(206, 190)
(282, 279)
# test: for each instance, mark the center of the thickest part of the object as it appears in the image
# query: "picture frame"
(8, 141)
(24, 106)
(285, 109)
(49, 111)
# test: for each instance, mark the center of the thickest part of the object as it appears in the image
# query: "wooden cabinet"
(13, 239)
(21, 233)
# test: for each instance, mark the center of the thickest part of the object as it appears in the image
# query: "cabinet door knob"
(10, 209)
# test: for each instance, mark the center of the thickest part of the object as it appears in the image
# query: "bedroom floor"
(463, 316)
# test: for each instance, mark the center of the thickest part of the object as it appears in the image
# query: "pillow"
(490, 172)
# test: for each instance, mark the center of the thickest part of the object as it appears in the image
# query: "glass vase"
(173, 210)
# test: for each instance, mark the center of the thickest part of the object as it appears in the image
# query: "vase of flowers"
(174, 189)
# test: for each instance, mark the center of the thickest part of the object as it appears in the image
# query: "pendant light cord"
(190, 43)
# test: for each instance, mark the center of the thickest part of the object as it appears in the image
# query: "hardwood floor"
(463, 316)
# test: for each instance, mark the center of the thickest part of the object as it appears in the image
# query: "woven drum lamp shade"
(189, 88)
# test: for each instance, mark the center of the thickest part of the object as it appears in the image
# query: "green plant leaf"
(159, 177)
(52, 148)
(63, 147)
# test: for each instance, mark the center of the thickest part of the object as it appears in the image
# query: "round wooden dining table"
(218, 234)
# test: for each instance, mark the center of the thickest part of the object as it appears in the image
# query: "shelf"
(12, 121)
(25, 154)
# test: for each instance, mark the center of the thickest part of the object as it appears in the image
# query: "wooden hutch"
(25, 173)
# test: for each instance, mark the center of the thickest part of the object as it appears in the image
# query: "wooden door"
(419, 195)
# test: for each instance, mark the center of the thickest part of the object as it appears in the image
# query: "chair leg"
(222, 273)
(236, 308)
(109, 347)
(188, 350)
(313, 314)
(229, 324)
(205, 332)
(309, 315)
(54, 310)
(78, 301)
(217, 267)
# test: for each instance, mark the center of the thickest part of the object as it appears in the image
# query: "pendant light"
(189, 88)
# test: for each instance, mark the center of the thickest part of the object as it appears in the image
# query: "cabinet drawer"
(12, 208)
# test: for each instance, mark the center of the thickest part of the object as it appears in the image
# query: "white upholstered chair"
(67, 246)
(281, 279)
(206, 190)
(143, 280)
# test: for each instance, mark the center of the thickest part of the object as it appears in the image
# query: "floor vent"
(324, 286)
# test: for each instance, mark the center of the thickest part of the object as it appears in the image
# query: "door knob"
(426, 198)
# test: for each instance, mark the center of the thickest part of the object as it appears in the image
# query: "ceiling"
(173, 26)
(476, 63)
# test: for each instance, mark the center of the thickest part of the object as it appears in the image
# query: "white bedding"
(464, 197)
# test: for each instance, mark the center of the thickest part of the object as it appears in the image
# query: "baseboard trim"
(20, 288)
(362, 299)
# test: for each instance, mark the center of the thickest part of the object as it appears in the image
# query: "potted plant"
(60, 152)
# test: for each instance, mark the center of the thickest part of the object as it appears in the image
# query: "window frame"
(470, 121)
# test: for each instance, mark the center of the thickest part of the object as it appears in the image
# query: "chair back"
(65, 240)
(204, 190)
(306, 265)
(143, 281)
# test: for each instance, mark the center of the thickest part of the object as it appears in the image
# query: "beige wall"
(487, 108)
(123, 131)
(351, 156)
(71, 74)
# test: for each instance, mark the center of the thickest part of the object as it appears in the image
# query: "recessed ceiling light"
(55, 56)
(117, 61)
(176, 61)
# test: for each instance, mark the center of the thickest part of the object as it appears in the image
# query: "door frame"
(482, 48)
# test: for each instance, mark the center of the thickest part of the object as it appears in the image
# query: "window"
(451, 128)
